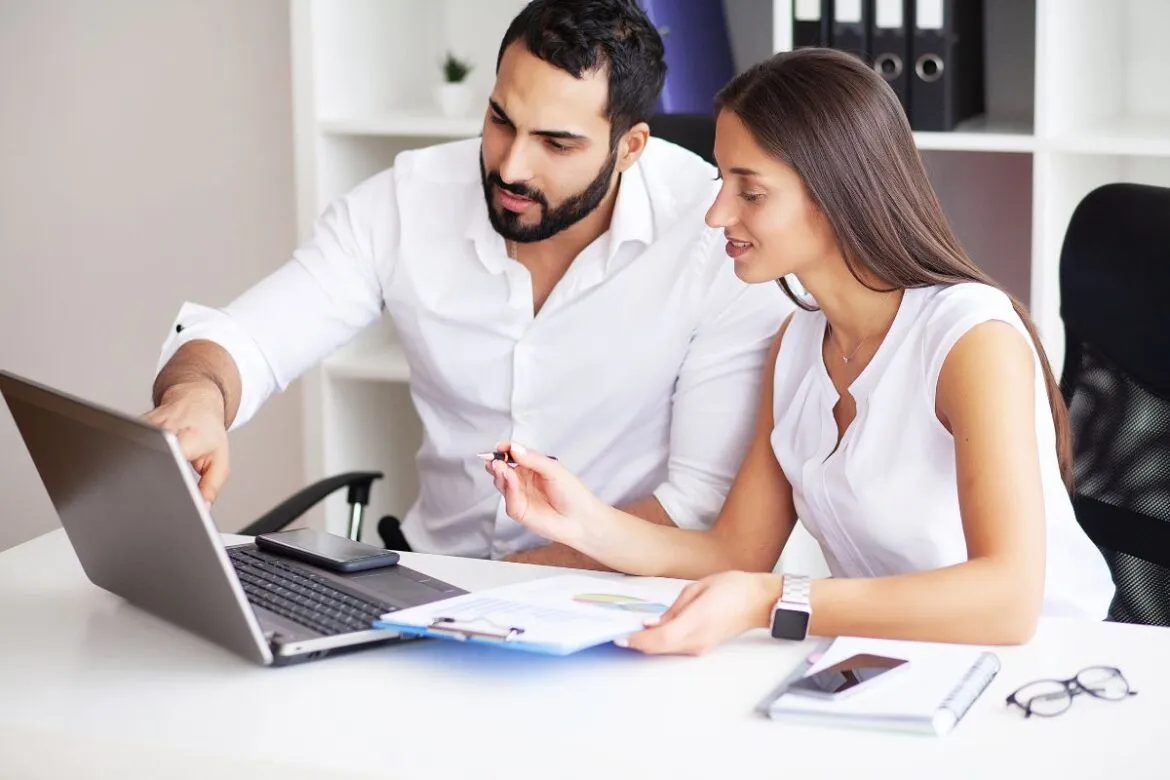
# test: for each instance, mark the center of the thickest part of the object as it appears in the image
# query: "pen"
(488, 457)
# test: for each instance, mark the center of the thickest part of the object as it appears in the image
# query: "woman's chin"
(751, 273)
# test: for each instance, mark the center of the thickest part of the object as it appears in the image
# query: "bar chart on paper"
(620, 602)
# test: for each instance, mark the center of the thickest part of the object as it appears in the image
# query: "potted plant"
(455, 93)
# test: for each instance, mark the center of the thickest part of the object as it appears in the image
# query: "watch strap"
(796, 590)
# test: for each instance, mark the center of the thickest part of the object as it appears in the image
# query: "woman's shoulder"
(950, 301)
(949, 312)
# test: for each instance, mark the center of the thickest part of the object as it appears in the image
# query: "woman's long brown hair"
(842, 129)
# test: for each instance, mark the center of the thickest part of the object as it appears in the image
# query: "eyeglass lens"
(1103, 682)
(1045, 697)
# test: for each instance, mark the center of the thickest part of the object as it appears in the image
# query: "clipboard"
(476, 631)
(557, 615)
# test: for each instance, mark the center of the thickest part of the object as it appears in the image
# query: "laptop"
(130, 505)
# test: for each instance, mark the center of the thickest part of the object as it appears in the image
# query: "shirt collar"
(633, 220)
(489, 245)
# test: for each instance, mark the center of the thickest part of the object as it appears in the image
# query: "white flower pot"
(454, 99)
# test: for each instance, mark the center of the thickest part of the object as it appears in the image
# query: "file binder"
(852, 22)
(892, 25)
(812, 23)
(947, 84)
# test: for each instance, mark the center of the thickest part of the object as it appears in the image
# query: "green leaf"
(455, 69)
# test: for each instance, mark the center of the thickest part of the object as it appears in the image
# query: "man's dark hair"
(583, 36)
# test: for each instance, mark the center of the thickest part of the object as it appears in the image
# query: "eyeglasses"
(1052, 697)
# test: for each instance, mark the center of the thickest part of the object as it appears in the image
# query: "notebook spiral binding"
(972, 685)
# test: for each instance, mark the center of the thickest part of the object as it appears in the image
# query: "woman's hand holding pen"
(541, 494)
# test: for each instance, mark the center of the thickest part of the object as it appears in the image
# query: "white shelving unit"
(364, 77)
(1077, 97)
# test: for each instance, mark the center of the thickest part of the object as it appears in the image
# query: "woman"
(909, 417)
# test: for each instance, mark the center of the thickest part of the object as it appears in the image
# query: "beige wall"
(145, 158)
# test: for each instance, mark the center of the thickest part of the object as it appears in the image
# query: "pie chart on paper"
(620, 602)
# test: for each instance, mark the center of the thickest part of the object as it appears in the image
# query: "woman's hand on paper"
(709, 612)
(542, 495)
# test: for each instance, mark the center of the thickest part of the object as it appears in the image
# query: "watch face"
(790, 624)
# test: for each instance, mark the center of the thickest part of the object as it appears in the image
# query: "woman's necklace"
(852, 354)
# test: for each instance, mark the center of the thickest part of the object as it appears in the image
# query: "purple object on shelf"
(698, 53)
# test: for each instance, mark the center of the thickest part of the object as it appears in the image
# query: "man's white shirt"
(641, 372)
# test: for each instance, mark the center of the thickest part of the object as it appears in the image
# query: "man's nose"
(515, 167)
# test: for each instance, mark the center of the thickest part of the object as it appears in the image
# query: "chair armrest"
(284, 513)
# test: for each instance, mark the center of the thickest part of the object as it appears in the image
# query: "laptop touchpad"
(402, 586)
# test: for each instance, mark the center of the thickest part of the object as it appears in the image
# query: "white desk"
(90, 687)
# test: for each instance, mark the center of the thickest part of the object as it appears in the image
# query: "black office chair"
(695, 132)
(358, 485)
(1115, 303)
(288, 511)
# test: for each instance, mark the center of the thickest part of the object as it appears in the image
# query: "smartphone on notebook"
(847, 677)
(326, 550)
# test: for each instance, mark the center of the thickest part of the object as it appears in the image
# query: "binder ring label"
(889, 65)
(929, 67)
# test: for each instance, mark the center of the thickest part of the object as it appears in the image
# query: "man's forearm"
(202, 361)
(558, 554)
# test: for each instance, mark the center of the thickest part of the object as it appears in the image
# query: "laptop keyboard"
(302, 596)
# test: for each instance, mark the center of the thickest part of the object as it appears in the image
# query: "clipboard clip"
(463, 629)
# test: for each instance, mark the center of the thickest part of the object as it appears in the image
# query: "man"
(552, 283)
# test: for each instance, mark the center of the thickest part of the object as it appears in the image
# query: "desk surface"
(90, 686)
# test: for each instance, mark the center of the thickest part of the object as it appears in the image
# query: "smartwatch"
(793, 612)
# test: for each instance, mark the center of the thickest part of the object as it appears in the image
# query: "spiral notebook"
(936, 690)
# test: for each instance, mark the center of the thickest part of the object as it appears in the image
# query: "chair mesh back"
(1121, 435)
(1115, 303)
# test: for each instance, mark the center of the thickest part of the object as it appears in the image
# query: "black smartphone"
(846, 677)
(326, 550)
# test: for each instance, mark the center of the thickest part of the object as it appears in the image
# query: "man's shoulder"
(442, 165)
(678, 181)
(445, 164)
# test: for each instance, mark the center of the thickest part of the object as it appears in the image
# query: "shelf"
(420, 123)
(1127, 135)
(976, 135)
(382, 363)
(982, 134)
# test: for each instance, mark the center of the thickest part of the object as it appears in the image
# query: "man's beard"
(552, 221)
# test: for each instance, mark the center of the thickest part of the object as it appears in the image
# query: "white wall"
(145, 158)
(749, 25)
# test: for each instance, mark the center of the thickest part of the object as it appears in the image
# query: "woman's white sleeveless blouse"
(886, 502)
